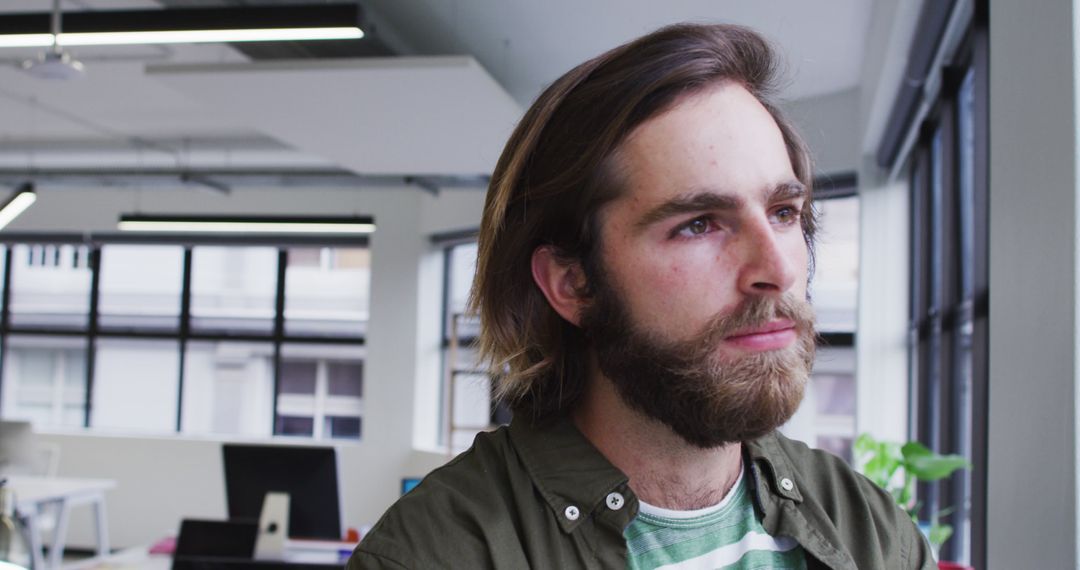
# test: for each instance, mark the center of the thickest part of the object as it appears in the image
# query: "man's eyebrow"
(791, 190)
(698, 201)
(705, 200)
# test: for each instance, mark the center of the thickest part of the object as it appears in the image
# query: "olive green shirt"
(543, 497)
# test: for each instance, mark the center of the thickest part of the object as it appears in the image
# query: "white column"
(1032, 510)
(881, 352)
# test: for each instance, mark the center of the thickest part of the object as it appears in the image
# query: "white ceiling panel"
(526, 44)
(432, 115)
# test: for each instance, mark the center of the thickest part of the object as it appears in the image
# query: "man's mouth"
(773, 335)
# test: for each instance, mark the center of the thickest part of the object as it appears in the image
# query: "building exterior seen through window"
(163, 338)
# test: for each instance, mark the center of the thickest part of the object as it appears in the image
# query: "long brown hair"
(555, 174)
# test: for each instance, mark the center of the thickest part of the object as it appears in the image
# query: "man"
(641, 283)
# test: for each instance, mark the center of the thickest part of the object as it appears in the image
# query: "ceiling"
(202, 95)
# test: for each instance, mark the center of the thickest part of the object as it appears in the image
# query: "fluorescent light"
(25, 40)
(181, 37)
(208, 36)
(17, 205)
(250, 225)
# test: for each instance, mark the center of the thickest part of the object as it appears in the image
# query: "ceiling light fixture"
(19, 201)
(56, 63)
(186, 25)
(247, 224)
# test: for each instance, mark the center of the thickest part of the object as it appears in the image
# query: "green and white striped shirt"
(726, 535)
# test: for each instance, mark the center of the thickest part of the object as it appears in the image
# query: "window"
(140, 287)
(233, 288)
(826, 418)
(327, 291)
(45, 380)
(50, 286)
(948, 320)
(251, 339)
(467, 389)
(321, 391)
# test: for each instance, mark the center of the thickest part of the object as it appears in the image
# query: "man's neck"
(664, 469)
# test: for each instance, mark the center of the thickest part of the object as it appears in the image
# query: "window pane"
(135, 385)
(462, 266)
(344, 428)
(296, 425)
(140, 286)
(346, 378)
(305, 256)
(836, 445)
(836, 265)
(826, 417)
(228, 388)
(44, 380)
(50, 285)
(337, 371)
(966, 158)
(327, 297)
(937, 197)
(298, 377)
(233, 288)
(835, 394)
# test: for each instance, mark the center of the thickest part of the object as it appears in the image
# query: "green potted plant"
(896, 467)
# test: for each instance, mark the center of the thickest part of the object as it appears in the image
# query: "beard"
(707, 398)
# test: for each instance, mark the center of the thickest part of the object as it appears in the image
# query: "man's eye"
(695, 227)
(787, 215)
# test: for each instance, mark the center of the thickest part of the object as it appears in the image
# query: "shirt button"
(786, 484)
(615, 501)
(572, 513)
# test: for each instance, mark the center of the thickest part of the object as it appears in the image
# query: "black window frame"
(949, 317)
(184, 334)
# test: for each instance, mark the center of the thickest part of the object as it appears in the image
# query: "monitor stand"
(273, 527)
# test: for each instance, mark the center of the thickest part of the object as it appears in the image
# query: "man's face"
(699, 315)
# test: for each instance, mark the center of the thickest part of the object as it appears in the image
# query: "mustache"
(755, 312)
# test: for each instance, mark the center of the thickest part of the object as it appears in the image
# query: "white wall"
(162, 479)
(1033, 286)
(829, 125)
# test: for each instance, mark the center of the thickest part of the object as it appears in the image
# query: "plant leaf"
(935, 466)
(938, 534)
(925, 465)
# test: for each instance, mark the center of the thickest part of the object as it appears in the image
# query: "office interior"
(945, 146)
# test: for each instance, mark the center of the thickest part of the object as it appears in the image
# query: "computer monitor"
(16, 447)
(408, 484)
(308, 474)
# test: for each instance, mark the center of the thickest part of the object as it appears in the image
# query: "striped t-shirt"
(726, 535)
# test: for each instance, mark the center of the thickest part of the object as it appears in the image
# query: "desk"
(297, 553)
(34, 495)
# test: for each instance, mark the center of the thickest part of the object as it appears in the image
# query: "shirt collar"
(770, 465)
(570, 472)
(566, 469)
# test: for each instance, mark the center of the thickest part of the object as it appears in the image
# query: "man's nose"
(766, 268)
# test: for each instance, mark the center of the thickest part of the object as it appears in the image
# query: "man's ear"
(561, 281)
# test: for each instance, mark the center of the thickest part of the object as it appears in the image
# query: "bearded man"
(641, 283)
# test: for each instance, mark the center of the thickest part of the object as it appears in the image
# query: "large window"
(949, 292)
(466, 388)
(826, 418)
(252, 338)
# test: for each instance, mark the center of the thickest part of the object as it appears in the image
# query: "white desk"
(34, 495)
